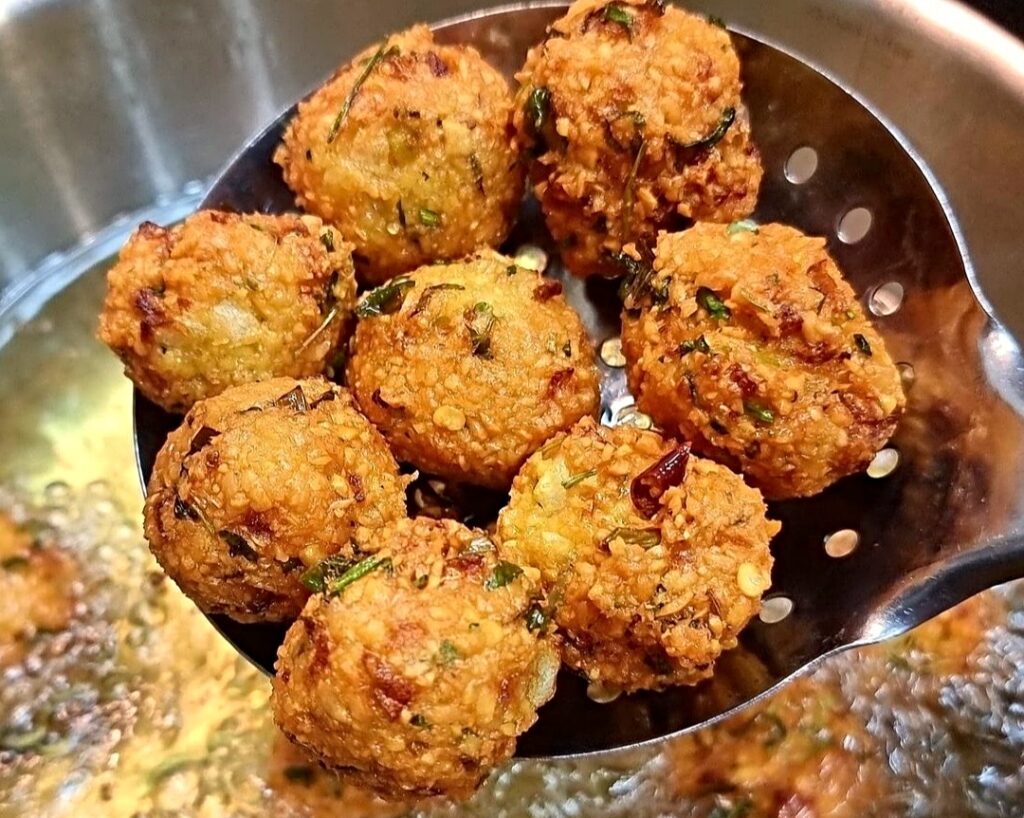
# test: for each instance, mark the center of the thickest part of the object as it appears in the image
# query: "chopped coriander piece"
(862, 344)
(327, 239)
(578, 478)
(478, 173)
(698, 344)
(537, 104)
(317, 577)
(614, 13)
(357, 571)
(447, 653)
(385, 299)
(419, 720)
(502, 575)
(644, 537)
(709, 300)
(759, 412)
(420, 581)
(237, 546)
(378, 55)
(480, 323)
(718, 134)
(511, 270)
(430, 218)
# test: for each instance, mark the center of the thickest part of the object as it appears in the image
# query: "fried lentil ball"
(751, 344)
(472, 367)
(262, 483)
(36, 590)
(631, 114)
(224, 299)
(648, 578)
(416, 676)
(407, 149)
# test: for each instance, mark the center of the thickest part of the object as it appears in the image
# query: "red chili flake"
(747, 385)
(357, 487)
(647, 487)
(437, 65)
(547, 290)
(559, 379)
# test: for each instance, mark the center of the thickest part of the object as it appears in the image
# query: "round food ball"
(36, 590)
(258, 486)
(417, 668)
(631, 114)
(652, 560)
(407, 149)
(749, 342)
(224, 299)
(467, 368)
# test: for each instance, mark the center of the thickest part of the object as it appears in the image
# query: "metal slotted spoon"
(940, 514)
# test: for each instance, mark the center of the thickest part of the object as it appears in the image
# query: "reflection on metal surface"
(957, 490)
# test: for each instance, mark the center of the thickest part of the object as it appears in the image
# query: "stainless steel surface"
(941, 527)
(100, 107)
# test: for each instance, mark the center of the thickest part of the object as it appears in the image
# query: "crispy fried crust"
(421, 167)
(794, 385)
(630, 137)
(417, 677)
(642, 602)
(261, 483)
(224, 299)
(474, 416)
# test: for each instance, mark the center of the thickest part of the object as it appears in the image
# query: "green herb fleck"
(447, 653)
(357, 571)
(419, 720)
(317, 577)
(15, 563)
(717, 135)
(759, 412)
(480, 323)
(502, 575)
(709, 300)
(378, 55)
(772, 726)
(420, 581)
(237, 546)
(578, 478)
(511, 270)
(537, 106)
(862, 344)
(698, 344)
(614, 13)
(644, 537)
(327, 239)
(743, 226)
(385, 299)
(430, 218)
(567, 348)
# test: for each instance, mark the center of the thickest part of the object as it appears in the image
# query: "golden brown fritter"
(407, 150)
(262, 483)
(631, 114)
(36, 590)
(224, 299)
(750, 343)
(471, 367)
(647, 577)
(415, 670)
